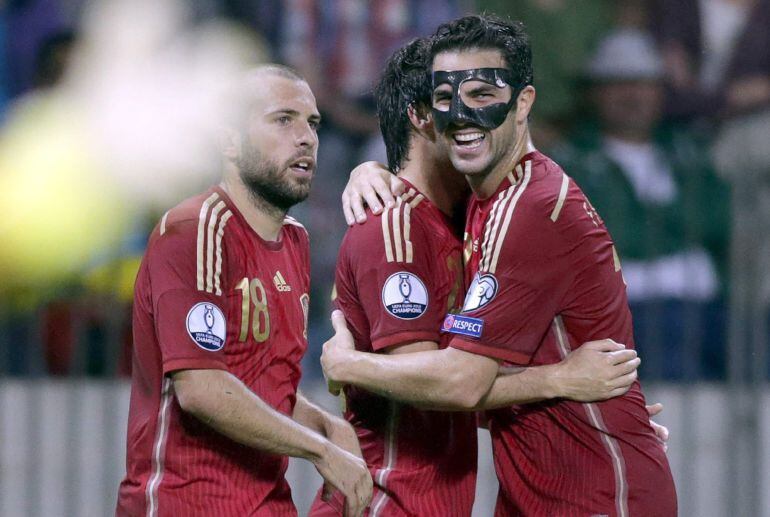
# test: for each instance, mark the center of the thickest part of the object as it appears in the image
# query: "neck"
(484, 185)
(264, 218)
(435, 178)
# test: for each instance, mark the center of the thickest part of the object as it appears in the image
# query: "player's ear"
(420, 119)
(229, 143)
(524, 103)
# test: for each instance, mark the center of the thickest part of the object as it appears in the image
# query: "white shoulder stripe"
(201, 238)
(390, 456)
(159, 448)
(163, 222)
(508, 214)
(290, 220)
(562, 197)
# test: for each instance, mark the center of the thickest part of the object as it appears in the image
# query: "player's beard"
(269, 182)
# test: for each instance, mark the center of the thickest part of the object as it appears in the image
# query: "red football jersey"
(212, 294)
(544, 278)
(397, 277)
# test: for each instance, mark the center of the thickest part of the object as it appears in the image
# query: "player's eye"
(283, 120)
(314, 124)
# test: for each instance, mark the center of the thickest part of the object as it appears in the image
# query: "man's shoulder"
(192, 227)
(541, 186)
(543, 201)
(394, 232)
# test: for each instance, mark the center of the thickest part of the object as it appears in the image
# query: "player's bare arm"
(454, 379)
(372, 184)
(223, 402)
(598, 370)
(337, 430)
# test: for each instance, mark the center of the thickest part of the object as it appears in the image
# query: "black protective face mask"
(488, 117)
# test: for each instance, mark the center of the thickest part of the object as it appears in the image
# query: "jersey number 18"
(254, 295)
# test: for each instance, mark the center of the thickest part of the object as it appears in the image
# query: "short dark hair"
(405, 82)
(488, 32)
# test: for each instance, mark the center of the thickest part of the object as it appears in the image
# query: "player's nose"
(306, 137)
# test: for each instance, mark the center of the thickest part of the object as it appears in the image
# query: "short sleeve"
(391, 262)
(517, 297)
(188, 306)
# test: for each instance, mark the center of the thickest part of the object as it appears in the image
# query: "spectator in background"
(742, 155)
(710, 49)
(564, 32)
(662, 204)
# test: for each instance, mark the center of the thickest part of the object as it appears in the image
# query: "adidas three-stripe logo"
(280, 283)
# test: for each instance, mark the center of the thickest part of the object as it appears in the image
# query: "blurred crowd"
(659, 109)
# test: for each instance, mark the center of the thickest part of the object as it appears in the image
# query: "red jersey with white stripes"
(211, 294)
(397, 276)
(543, 278)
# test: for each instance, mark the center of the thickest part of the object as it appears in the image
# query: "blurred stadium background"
(660, 109)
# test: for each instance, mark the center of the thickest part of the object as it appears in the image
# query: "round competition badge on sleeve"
(405, 296)
(206, 326)
(482, 290)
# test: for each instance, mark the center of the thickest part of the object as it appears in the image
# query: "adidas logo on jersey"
(280, 283)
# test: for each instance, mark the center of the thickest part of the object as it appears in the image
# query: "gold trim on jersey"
(400, 249)
(220, 232)
(416, 201)
(386, 234)
(201, 238)
(500, 216)
(397, 231)
(407, 230)
(492, 226)
(508, 214)
(210, 245)
(562, 197)
(597, 422)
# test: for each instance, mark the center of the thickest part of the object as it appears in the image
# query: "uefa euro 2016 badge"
(482, 291)
(206, 326)
(405, 296)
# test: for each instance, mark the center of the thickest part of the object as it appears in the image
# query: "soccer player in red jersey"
(543, 277)
(397, 276)
(220, 326)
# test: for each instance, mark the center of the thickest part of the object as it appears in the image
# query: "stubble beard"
(268, 184)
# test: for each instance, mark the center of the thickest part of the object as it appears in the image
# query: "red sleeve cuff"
(192, 363)
(403, 338)
(502, 354)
